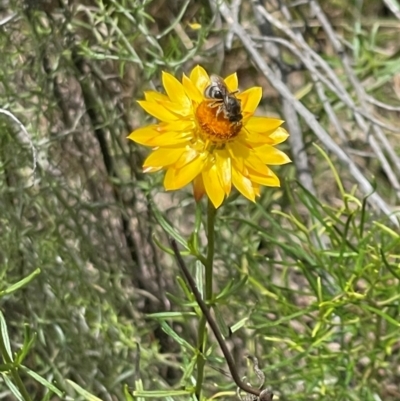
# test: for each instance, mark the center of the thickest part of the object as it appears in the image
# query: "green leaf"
(232, 287)
(22, 283)
(127, 394)
(175, 336)
(237, 326)
(139, 387)
(161, 393)
(383, 314)
(82, 392)
(4, 338)
(176, 316)
(182, 283)
(43, 381)
(223, 327)
(199, 277)
(12, 388)
(391, 268)
(6, 367)
(29, 341)
(47, 396)
(167, 226)
(188, 369)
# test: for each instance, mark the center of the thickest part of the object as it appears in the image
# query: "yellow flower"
(199, 140)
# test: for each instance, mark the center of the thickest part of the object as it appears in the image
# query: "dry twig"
(373, 196)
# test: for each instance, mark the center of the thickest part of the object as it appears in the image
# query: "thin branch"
(214, 327)
(393, 6)
(382, 105)
(296, 138)
(312, 61)
(315, 7)
(236, 4)
(8, 19)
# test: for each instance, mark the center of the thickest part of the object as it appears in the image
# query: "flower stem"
(208, 295)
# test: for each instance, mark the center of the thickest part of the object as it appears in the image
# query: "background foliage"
(309, 275)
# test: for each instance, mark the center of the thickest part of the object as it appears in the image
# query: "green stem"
(208, 295)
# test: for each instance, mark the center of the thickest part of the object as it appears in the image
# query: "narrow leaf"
(22, 283)
(83, 392)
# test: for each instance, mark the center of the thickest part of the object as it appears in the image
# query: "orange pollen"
(214, 124)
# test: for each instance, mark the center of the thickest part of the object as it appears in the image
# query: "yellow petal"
(254, 163)
(270, 155)
(250, 99)
(151, 169)
(246, 158)
(178, 178)
(186, 157)
(179, 125)
(224, 169)
(191, 90)
(170, 139)
(163, 157)
(263, 124)
(144, 135)
(156, 135)
(270, 180)
(232, 82)
(177, 108)
(200, 78)
(243, 185)
(213, 185)
(198, 188)
(238, 154)
(175, 90)
(153, 96)
(157, 111)
(256, 139)
(271, 137)
(195, 26)
(280, 135)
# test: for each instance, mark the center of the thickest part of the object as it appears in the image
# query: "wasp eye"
(213, 92)
(217, 94)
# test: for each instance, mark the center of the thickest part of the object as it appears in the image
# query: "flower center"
(214, 123)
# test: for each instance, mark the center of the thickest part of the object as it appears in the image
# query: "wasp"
(225, 100)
